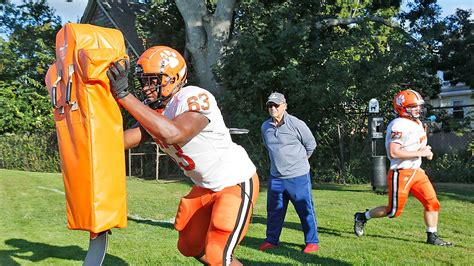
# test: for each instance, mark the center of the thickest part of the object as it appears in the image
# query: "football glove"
(118, 76)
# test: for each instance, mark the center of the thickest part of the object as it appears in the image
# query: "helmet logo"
(400, 99)
(169, 59)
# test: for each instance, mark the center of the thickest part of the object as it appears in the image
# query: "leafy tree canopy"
(457, 53)
(330, 58)
(162, 25)
(27, 42)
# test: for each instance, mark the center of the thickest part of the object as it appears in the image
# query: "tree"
(162, 25)
(27, 48)
(208, 29)
(449, 42)
(205, 26)
(329, 57)
(330, 60)
(24, 109)
(457, 52)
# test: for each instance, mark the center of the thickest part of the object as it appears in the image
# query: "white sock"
(431, 229)
(367, 215)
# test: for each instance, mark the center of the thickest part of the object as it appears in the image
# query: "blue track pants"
(298, 191)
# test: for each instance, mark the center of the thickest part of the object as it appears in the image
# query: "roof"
(119, 14)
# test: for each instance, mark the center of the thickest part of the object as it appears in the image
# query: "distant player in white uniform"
(405, 143)
(188, 126)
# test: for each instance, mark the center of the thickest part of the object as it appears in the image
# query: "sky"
(72, 11)
(448, 7)
(68, 11)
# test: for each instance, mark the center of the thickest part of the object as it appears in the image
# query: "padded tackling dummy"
(89, 126)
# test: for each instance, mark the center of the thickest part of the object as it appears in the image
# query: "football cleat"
(434, 239)
(359, 223)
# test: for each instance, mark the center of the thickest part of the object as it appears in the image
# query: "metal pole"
(157, 161)
(130, 162)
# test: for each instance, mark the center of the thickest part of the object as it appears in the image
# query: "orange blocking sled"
(89, 126)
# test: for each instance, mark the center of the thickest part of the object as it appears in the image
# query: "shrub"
(30, 152)
(455, 167)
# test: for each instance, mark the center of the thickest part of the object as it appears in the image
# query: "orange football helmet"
(163, 67)
(405, 99)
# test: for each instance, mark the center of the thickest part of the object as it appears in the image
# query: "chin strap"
(160, 103)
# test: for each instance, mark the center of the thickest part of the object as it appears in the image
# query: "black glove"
(118, 76)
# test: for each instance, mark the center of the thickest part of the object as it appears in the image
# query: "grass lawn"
(33, 227)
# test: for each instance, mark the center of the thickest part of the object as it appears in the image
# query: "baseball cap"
(276, 97)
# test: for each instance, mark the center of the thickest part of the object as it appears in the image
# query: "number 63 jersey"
(211, 159)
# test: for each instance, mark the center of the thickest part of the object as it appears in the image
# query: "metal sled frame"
(97, 250)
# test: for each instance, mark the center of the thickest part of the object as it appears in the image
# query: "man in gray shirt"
(290, 143)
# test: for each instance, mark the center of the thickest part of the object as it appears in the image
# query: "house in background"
(118, 14)
(457, 100)
(458, 103)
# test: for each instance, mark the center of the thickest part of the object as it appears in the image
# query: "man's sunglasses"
(270, 105)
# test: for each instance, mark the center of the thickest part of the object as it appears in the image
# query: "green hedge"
(30, 152)
(39, 153)
(453, 167)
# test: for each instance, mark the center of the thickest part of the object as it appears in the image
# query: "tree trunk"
(342, 166)
(206, 36)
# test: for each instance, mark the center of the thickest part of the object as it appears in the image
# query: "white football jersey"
(211, 159)
(411, 135)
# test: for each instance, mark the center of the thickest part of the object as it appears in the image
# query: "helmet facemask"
(156, 83)
(161, 71)
(408, 111)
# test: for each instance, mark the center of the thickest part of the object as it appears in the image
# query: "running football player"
(406, 144)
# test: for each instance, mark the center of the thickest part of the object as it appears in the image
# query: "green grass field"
(33, 227)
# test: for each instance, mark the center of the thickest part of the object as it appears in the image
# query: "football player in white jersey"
(188, 126)
(406, 144)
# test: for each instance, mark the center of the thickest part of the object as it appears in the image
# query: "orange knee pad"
(432, 205)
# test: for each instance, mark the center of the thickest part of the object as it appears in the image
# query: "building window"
(458, 110)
